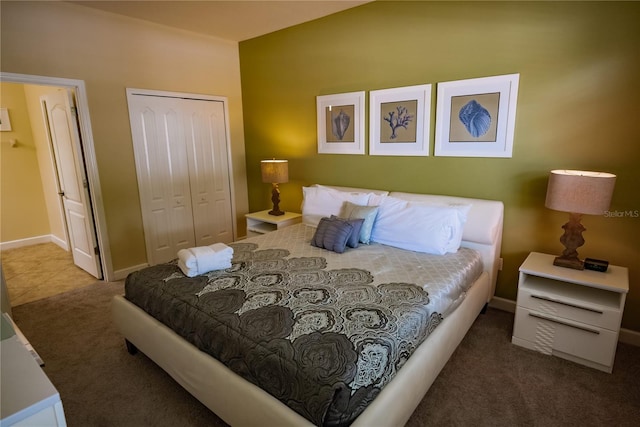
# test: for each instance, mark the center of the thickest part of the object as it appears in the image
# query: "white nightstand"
(573, 314)
(261, 222)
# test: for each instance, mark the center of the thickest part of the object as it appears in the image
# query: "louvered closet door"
(208, 171)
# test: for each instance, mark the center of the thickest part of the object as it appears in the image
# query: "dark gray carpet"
(487, 382)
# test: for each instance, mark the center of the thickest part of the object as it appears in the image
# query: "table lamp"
(577, 192)
(275, 172)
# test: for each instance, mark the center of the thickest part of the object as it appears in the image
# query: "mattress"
(322, 332)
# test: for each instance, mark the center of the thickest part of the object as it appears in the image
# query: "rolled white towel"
(192, 256)
(192, 272)
(202, 259)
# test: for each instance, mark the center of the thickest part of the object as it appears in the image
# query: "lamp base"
(571, 239)
(275, 199)
(574, 263)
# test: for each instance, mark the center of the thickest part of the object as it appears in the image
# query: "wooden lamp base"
(571, 239)
(574, 263)
(275, 198)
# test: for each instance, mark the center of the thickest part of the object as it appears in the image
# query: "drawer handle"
(571, 325)
(557, 301)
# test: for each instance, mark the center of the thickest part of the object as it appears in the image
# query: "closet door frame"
(139, 167)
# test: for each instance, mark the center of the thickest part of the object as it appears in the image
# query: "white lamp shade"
(580, 192)
(275, 171)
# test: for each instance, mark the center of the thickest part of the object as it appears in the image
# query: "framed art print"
(399, 121)
(341, 123)
(476, 117)
(5, 123)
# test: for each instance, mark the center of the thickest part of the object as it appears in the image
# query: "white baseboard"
(58, 241)
(630, 337)
(503, 304)
(36, 240)
(122, 274)
(626, 336)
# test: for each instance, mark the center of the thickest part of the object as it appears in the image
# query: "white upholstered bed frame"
(241, 403)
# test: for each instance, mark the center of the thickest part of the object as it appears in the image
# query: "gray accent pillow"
(332, 234)
(354, 238)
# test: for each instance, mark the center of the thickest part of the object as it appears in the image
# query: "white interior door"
(181, 152)
(65, 139)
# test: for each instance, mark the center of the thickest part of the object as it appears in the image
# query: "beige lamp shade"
(275, 171)
(580, 192)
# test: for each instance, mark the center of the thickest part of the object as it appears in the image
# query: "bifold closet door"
(180, 147)
(207, 155)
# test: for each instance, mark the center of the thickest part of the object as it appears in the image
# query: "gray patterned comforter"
(320, 331)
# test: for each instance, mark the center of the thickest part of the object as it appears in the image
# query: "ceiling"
(231, 20)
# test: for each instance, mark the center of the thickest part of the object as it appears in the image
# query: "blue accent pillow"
(332, 234)
(368, 213)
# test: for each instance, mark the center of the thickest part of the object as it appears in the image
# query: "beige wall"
(20, 178)
(577, 109)
(23, 210)
(110, 54)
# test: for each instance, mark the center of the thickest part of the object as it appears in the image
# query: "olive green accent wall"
(577, 109)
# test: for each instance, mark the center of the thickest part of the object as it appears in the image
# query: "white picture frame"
(341, 123)
(476, 117)
(5, 122)
(399, 121)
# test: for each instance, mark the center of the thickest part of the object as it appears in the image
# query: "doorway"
(87, 157)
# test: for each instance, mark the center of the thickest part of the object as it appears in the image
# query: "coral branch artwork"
(398, 119)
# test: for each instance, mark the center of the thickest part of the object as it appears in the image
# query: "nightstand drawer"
(583, 310)
(556, 335)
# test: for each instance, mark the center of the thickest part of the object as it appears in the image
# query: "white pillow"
(419, 227)
(319, 202)
(375, 196)
(481, 225)
(462, 210)
(376, 199)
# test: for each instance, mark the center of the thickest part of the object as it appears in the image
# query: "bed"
(361, 271)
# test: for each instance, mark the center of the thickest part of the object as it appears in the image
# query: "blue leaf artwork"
(475, 118)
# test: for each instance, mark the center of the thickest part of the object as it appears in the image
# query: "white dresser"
(573, 314)
(28, 398)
